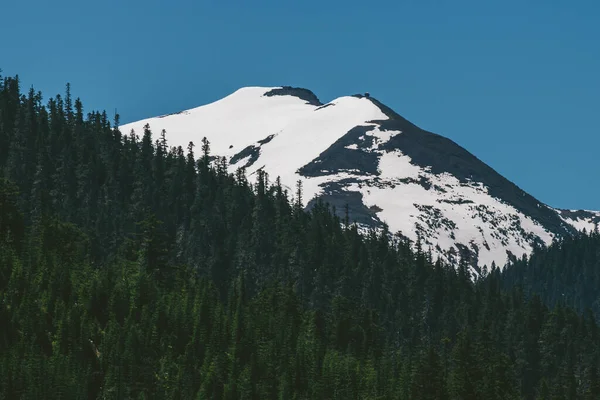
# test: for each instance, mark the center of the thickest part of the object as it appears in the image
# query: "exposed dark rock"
(324, 106)
(458, 201)
(375, 208)
(252, 151)
(300, 93)
(168, 115)
(266, 140)
(434, 218)
(335, 196)
(422, 181)
(337, 158)
(391, 114)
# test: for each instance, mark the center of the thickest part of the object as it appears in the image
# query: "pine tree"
(427, 381)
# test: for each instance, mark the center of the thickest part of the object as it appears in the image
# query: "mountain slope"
(358, 152)
(566, 273)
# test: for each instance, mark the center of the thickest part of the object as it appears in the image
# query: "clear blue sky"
(516, 82)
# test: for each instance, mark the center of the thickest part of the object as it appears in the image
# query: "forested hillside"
(566, 273)
(129, 269)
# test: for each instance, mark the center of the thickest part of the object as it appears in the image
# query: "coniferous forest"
(130, 269)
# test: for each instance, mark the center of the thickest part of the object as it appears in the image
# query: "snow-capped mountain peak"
(358, 152)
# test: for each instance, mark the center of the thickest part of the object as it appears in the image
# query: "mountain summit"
(358, 152)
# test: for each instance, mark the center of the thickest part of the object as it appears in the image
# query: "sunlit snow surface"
(294, 133)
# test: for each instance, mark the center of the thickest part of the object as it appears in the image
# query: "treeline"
(129, 269)
(566, 273)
